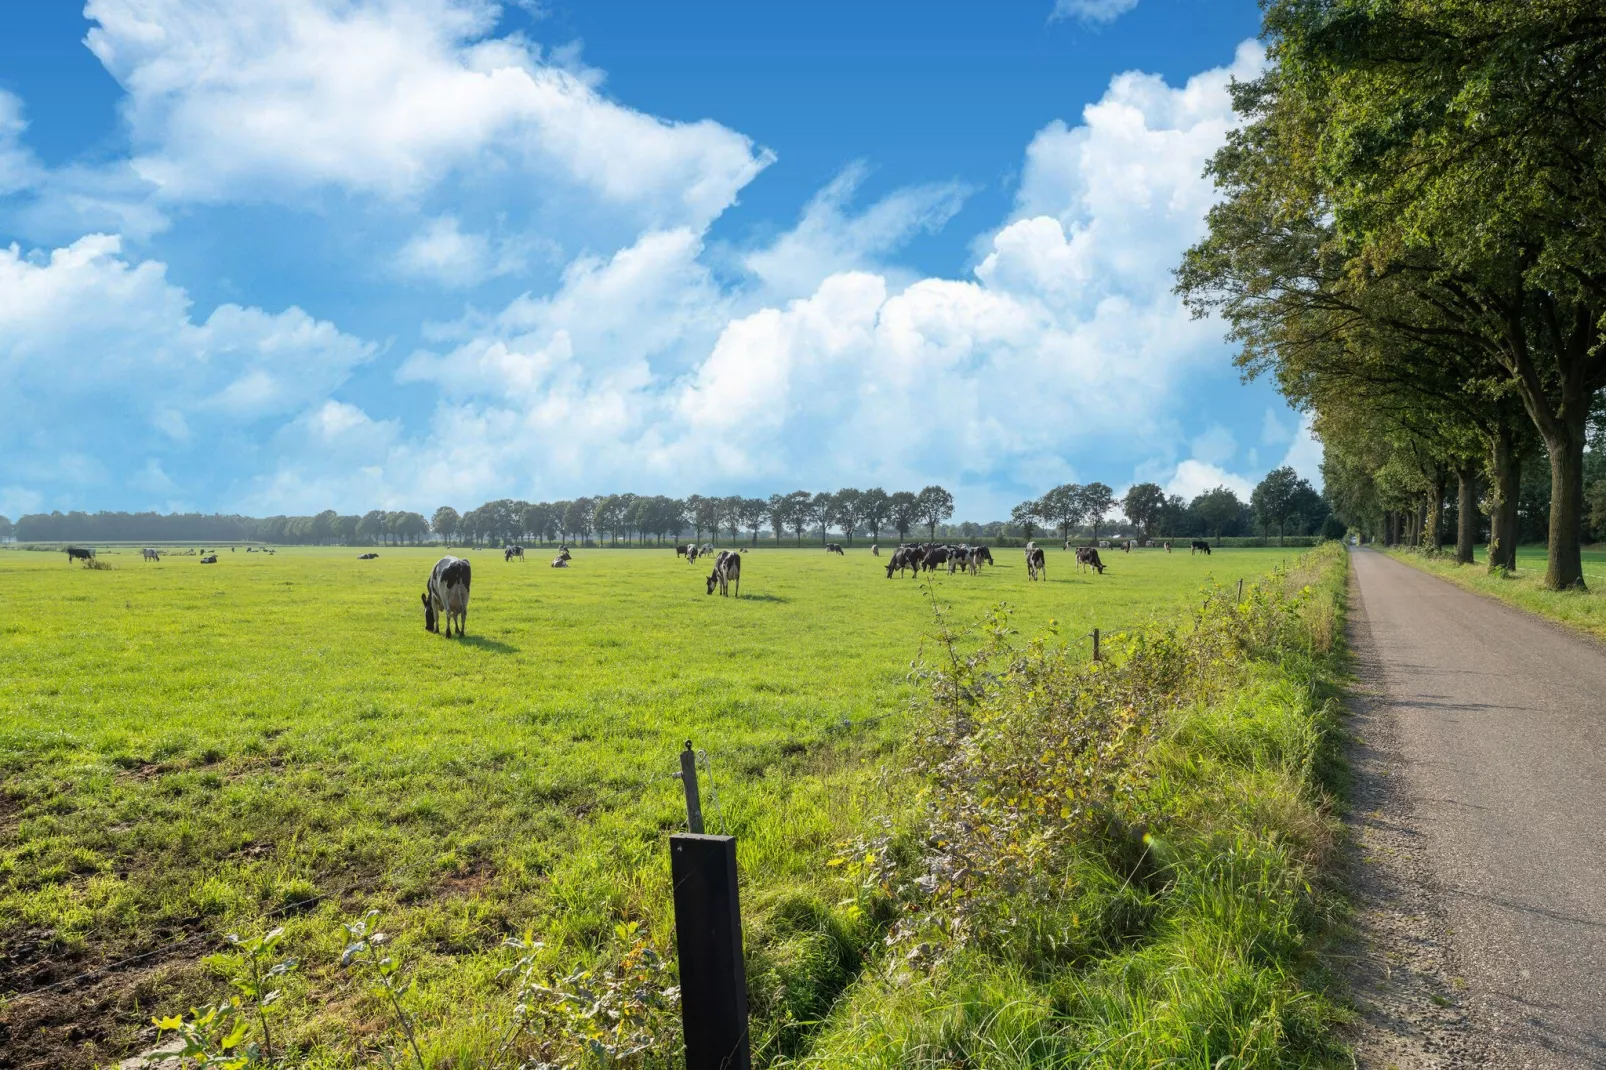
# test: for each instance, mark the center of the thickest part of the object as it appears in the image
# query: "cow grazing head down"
(431, 622)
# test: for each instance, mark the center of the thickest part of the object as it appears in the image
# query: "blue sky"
(402, 253)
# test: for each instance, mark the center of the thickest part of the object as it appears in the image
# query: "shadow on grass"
(764, 598)
(493, 645)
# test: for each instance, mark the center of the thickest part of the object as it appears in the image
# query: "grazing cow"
(727, 570)
(447, 595)
(369, 556)
(681, 548)
(902, 558)
(693, 553)
(148, 554)
(937, 555)
(834, 548)
(983, 554)
(875, 550)
(1088, 557)
(1168, 546)
(510, 552)
(1036, 564)
(1200, 546)
(209, 559)
(80, 553)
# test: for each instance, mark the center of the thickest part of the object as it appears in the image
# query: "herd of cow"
(445, 595)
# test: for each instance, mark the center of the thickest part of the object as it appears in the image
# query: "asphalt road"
(1481, 812)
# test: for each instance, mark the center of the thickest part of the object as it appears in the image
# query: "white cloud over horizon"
(815, 360)
(1092, 11)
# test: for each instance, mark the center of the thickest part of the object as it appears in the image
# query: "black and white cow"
(1088, 557)
(727, 570)
(681, 548)
(447, 595)
(834, 548)
(511, 552)
(369, 556)
(86, 554)
(209, 559)
(1036, 564)
(1200, 546)
(148, 554)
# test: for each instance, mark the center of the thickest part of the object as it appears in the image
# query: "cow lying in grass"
(369, 556)
(727, 571)
(447, 595)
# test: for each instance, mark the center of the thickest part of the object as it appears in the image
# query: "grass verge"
(1122, 864)
(1583, 611)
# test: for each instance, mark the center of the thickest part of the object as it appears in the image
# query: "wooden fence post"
(688, 780)
(708, 934)
(1095, 644)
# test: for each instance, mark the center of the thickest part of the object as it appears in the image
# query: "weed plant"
(1118, 864)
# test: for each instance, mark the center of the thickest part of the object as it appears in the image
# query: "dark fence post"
(1095, 644)
(688, 780)
(708, 932)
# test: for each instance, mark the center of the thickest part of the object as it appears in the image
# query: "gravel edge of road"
(1400, 962)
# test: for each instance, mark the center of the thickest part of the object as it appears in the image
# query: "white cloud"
(443, 254)
(1305, 452)
(1272, 430)
(823, 365)
(84, 329)
(1216, 446)
(278, 99)
(1193, 477)
(640, 370)
(1092, 10)
(18, 168)
(828, 238)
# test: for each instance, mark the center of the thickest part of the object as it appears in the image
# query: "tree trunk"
(1507, 466)
(1564, 568)
(1466, 528)
(1435, 527)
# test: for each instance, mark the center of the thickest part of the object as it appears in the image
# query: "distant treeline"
(327, 527)
(1282, 504)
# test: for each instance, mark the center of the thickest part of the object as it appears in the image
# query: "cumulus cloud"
(18, 168)
(1094, 11)
(822, 363)
(283, 98)
(641, 370)
(1305, 452)
(1193, 477)
(83, 329)
(830, 238)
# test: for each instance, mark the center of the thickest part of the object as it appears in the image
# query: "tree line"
(1412, 241)
(372, 528)
(637, 518)
(1283, 502)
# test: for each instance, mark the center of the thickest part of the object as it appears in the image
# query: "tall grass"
(1117, 864)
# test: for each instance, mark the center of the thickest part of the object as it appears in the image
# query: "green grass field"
(187, 748)
(1584, 611)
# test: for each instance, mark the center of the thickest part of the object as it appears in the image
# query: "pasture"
(187, 749)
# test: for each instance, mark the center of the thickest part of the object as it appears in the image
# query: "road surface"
(1480, 813)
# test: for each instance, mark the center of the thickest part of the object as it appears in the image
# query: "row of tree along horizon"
(1411, 239)
(1283, 503)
